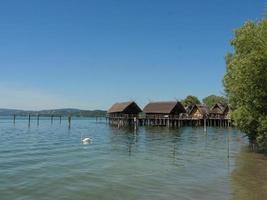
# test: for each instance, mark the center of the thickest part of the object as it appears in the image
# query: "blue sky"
(90, 54)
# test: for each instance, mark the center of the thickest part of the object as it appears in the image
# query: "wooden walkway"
(134, 121)
(170, 122)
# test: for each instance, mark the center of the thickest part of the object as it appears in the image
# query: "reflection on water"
(49, 162)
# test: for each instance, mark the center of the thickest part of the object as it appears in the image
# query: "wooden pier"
(170, 114)
(170, 122)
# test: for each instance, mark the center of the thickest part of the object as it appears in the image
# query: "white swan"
(86, 140)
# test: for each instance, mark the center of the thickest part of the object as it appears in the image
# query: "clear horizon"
(88, 55)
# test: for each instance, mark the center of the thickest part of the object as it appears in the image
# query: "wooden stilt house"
(162, 113)
(124, 113)
(220, 111)
(199, 111)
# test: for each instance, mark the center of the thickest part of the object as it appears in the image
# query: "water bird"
(86, 140)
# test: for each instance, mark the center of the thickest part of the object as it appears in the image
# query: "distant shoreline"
(62, 112)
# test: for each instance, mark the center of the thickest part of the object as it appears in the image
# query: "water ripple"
(49, 162)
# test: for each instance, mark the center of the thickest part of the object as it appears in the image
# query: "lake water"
(49, 162)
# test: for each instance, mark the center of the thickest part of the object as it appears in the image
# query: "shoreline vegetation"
(245, 81)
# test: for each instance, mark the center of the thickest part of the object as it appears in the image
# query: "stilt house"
(199, 111)
(164, 109)
(166, 113)
(220, 111)
(123, 113)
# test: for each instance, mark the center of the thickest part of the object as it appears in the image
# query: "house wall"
(196, 113)
(216, 110)
(161, 115)
(227, 115)
(122, 115)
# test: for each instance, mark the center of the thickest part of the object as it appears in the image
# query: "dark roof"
(164, 107)
(125, 107)
(222, 107)
(203, 109)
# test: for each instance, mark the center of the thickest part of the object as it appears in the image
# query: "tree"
(213, 99)
(245, 81)
(190, 101)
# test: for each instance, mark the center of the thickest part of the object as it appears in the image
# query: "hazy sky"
(89, 54)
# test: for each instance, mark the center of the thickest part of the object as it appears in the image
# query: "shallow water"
(49, 162)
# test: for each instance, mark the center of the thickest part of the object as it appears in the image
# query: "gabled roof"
(129, 107)
(222, 107)
(227, 109)
(164, 107)
(203, 109)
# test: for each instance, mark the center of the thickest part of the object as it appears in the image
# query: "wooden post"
(29, 120)
(38, 119)
(228, 145)
(135, 122)
(14, 119)
(52, 116)
(69, 121)
(60, 119)
(205, 125)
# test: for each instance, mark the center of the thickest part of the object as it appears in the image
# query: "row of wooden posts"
(143, 122)
(29, 117)
(52, 117)
(170, 122)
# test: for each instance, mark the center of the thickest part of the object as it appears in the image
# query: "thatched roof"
(125, 107)
(219, 108)
(203, 109)
(164, 107)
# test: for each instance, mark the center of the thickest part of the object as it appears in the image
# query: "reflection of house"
(199, 111)
(123, 113)
(164, 109)
(220, 110)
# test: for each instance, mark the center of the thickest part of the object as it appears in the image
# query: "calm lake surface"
(49, 162)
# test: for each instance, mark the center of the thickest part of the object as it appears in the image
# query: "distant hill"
(4, 112)
(62, 112)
